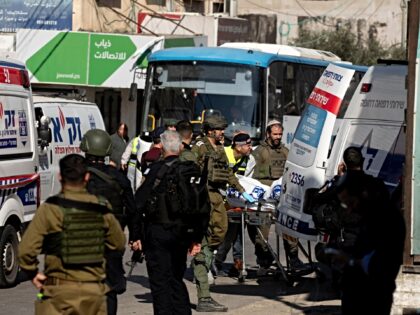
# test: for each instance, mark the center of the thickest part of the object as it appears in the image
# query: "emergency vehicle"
(19, 178)
(374, 121)
(68, 120)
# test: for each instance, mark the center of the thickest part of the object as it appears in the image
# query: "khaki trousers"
(76, 299)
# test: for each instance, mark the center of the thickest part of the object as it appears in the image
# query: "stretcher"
(256, 214)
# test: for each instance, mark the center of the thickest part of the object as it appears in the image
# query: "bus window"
(275, 90)
(357, 77)
(306, 79)
(289, 91)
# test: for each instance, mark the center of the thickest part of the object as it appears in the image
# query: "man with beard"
(270, 157)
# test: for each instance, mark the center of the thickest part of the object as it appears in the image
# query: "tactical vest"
(275, 168)
(82, 240)
(102, 184)
(277, 160)
(217, 166)
(237, 166)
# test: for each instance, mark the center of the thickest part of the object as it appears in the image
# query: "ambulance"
(67, 121)
(19, 178)
(374, 121)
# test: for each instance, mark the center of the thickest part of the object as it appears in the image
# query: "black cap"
(241, 139)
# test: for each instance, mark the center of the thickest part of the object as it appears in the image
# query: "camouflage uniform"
(80, 288)
(268, 168)
(206, 153)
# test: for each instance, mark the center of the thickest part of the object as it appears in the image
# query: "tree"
(347, 46)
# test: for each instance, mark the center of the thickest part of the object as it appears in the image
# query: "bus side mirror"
(133, 92)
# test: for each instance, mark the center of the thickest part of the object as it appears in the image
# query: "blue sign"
(35, 14)
(310, 125)
(8, 143)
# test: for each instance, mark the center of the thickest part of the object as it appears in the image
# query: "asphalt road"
(257, 295)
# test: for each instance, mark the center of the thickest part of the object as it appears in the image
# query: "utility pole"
(403, 6)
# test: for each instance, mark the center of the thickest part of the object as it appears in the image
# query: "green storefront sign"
(62, 60)
(80, 58)
(107, 54)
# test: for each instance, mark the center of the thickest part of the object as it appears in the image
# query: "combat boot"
(207, 304)
(298, 267)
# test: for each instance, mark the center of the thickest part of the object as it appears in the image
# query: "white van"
(374, 122)
(68, 122)
(19, 180)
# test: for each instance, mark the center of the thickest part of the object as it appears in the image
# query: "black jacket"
(145, 192)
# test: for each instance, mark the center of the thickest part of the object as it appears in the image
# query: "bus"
(248, 86)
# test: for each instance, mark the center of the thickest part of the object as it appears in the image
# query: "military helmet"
(96, 142)
(214, 122)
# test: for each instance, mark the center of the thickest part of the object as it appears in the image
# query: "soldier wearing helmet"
(211, 156)
(107, 181)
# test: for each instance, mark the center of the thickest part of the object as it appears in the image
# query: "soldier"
(185, 130)
(72, 229)
(107, 181)
(212, 159)
(270, 157)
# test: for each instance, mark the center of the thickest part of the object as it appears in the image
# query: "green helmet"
(214, 122)
(96, 142)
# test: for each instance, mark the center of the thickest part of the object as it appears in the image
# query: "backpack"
(185, 188)
(100, 183)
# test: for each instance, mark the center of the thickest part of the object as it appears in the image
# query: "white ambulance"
(374, 121)
(68, 120)
(19, 179)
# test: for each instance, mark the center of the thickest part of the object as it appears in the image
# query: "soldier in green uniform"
(270, 157)
(212, 158)
(72, 229)
(185, 130)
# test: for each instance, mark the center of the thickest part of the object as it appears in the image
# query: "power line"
(131, 20)
(165, 18)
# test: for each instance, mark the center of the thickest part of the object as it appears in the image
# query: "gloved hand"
(248, 197)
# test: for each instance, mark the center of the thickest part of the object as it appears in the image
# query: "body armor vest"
(82, 240)
(218, 168)
(275, 166)
(277, 160)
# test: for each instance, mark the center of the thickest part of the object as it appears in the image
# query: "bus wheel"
(8, 256)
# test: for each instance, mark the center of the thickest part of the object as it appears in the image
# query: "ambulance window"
(349, 93)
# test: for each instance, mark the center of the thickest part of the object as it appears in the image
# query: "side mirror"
(44, 132)
(133, 92)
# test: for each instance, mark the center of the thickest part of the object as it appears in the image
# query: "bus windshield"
(192, 90)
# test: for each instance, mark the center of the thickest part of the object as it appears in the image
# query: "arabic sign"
(80, 58)
(35, 14)
(107, 54)
(309, 150)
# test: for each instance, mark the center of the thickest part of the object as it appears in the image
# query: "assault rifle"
(136, 257)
